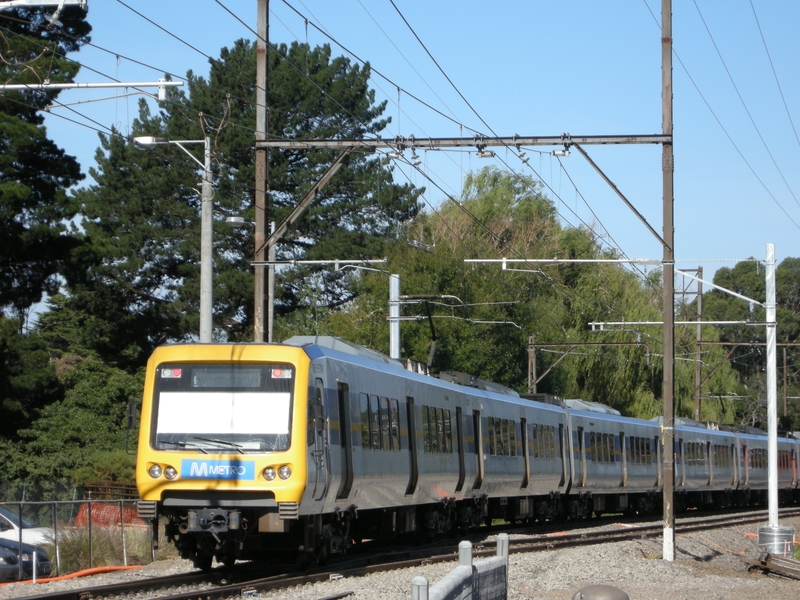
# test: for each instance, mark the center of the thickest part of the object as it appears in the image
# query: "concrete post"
(206, 249)
(394, 316)
(464, 554)
(502, 545)
(419, 588)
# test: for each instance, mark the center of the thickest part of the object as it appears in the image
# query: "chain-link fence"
(80, 527)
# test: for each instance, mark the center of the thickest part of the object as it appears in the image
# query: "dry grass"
(106, 548)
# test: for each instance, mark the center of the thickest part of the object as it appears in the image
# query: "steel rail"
(537, 543)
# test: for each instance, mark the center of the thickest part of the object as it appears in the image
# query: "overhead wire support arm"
(620, 194)
(161, 84)
(106, 84)
(462, 142)
(303, 204)
(727, 291)
(35, 3)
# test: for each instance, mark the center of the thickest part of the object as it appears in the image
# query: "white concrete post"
(419, 588)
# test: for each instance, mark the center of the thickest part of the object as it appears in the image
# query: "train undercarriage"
(228, 534)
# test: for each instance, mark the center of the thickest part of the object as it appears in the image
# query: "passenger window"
(375, 422)
(365, 420)
(498, 435)
(448, 433)
(426, 432)
(395, 421)
(441, 445)
(385, 435)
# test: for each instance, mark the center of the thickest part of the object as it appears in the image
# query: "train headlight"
(285, 472)
(171, 473)
(269, 473)
(155, 471)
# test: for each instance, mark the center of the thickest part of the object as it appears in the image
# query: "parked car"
(9, 566)
(10, 525)
(10, 556)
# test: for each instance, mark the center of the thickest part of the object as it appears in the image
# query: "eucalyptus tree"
(482, 317)
(746, 342)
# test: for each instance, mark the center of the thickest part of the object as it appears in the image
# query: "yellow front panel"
(222, 459)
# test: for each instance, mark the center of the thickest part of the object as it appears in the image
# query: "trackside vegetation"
(116, 262)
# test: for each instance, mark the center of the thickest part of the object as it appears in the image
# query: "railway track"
(250, 581)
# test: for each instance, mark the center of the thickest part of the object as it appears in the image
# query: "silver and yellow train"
(304, 448)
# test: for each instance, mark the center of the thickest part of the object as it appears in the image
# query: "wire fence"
(79, 527)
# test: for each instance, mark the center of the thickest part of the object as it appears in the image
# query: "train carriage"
(752, 464)
(303, 448)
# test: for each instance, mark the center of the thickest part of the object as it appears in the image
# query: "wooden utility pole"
(667, 166)
(262, 168)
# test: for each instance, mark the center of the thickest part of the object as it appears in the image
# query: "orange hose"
(84, 573)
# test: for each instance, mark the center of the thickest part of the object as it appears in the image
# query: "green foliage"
(27, 378)
(134, 283)
(748, 359)
(482, 317)
(112, 465)
(83, 434)
(34, 172)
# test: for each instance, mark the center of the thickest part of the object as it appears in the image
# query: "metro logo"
(217, 469)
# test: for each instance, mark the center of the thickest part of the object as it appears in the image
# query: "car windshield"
(14, 518)
(223, 408)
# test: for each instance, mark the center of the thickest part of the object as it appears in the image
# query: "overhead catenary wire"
(307, 22)
(723, 128)
(534, 171)
(744, 104)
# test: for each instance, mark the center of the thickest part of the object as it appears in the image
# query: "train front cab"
(222, 446)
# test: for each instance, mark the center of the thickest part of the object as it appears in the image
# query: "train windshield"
(213, 408)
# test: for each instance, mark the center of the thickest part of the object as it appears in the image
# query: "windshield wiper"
(185, 445)
(223, 442)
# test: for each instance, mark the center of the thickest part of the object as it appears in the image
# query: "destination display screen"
(213, 409)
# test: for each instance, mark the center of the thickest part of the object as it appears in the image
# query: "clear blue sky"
(532, 68)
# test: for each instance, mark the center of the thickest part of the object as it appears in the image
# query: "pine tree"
(134, 283)
(34, 172)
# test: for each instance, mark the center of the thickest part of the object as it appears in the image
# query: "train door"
(623, 455)
(710, 463)
(462, 471)
(745, 465)
(316, 440)
(345, 442)
(681, 462)
(563, 445)
(659, 461)
(412, 448)
(478, 442)
(735, 464)
(526, 476)
(581, 457)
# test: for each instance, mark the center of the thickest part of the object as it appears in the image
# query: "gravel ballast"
(708, 565)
